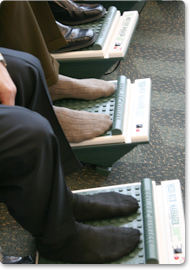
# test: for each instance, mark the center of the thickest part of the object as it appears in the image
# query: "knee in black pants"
(23, 135)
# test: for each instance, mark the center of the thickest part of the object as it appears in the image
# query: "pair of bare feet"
(80, 125)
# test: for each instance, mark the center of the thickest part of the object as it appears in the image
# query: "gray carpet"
(157, 51)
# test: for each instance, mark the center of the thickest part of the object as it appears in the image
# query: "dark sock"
(102, 205)
(92, 244)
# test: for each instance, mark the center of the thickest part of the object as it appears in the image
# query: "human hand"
(7, 87)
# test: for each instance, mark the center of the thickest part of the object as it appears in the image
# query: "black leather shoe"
(71, 13)
(76, 38)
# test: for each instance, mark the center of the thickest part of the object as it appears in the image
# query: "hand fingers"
(8, 97)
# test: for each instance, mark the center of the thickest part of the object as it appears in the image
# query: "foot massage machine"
(160, 219)
(114, 33)
(129, 110)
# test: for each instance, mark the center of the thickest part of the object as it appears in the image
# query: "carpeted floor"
(157, 51)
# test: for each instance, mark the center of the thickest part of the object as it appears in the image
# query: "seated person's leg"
(31, 180)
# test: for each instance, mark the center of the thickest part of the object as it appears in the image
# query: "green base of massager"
(146, 251)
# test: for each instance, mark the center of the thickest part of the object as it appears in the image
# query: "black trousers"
(34, 155)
